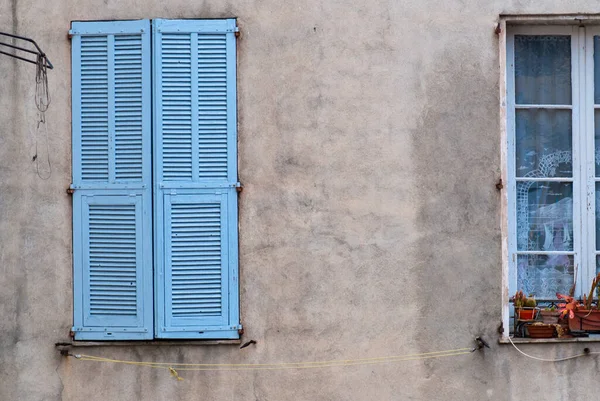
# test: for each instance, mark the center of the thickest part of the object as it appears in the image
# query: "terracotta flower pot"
(550, 317)
(585, 320)
(526, 313)
(540, 330)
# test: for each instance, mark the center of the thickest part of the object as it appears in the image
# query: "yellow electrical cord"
(275, 366)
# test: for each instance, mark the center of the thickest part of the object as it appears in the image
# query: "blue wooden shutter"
(112, 219)
(195, 179)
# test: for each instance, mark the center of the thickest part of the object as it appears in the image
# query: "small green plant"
(518, 299)
(521, 301)
(550, 309)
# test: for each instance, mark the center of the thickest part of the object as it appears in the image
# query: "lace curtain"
(544, 150)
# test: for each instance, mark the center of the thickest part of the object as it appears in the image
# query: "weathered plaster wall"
(369, 223)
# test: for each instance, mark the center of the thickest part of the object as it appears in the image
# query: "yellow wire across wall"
(174, 367)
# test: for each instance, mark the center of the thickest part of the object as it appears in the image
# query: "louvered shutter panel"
(195, 179)
(112, 218)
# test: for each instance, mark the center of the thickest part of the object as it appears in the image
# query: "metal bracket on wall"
(38, 52)
(499, 184)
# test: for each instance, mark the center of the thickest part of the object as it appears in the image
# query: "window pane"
(545, 275)
(598, 216)
(597, 69)
(542, 69)
(597, 140)
(544, 216)
(544, 143)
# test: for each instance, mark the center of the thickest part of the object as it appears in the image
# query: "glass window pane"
(545, 275)
(598, 216)
(542, 69)
(544, 143)
(597, 69)
(597, 140)
(544, 216)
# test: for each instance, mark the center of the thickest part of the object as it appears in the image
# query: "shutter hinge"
(70, 190)
(239, 187)
(499, 184)
(70, 34)
(498, 29)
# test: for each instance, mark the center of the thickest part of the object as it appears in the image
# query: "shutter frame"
(199, 186)
(114, 106)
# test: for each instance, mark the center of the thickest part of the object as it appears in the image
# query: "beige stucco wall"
(369, 147)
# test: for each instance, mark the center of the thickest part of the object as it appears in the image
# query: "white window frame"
(583, 178)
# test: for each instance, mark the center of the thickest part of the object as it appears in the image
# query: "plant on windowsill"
(541, 330)
(582, 316)
(550, 315)
(525, 308)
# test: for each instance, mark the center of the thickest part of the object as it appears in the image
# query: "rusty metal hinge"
(498, 29)
(499, 184)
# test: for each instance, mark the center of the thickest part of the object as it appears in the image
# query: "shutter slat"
(128, 121)
(177, 145)
(94, 123)
(185, 304)
(210, 81)
(113, 290)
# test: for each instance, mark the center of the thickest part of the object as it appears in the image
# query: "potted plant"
(583, 316)
(550, 315)
(540, 330)
(525, 307)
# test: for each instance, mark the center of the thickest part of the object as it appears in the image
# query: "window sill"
(82, 344)
(591, 339)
